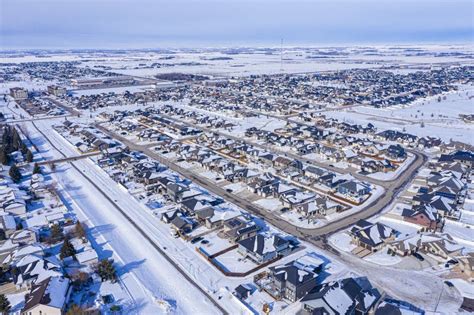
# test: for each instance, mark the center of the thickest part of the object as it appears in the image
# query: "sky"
(228, 23)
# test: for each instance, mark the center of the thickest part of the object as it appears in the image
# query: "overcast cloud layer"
(180, 23)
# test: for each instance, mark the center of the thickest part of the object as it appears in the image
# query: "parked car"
(196, 239)
(285, 209)
(418, 256)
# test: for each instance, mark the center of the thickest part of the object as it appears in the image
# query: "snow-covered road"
(423, 289)
(148, 276)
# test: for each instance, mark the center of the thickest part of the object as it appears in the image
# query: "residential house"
(262, 249)
(342, 297)
(319, 206)
(175, 190)
(8, 224)
(354, 190)
(371, 236)
(24, 237)
(32, 269)
(291, 282)
(49, 296)
(406, 246)
(236, 229)
(396, 153)
(182, 224)
(441, 245)
(423, 215)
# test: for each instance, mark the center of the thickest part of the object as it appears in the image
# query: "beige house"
(49, 296)
(466, 264)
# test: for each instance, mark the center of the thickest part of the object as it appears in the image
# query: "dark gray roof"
(292, 274)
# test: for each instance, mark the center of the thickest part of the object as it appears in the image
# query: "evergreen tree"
(15, 173)
(8, 148)
(80, 231)
(4, 304)
(36, 169)
(106, 270)
(79, 279)
(29, 156)
(67, 249)
(6, 136)
(16, 141)
(23, 148)
(56, 232)
(4, 158)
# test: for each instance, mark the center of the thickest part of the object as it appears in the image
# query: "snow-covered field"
(440, 119)
(117, 90)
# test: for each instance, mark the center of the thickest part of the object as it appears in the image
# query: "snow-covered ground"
(383, 258)
(101, 213)
(271, 204)
(342, 241)
(145, 282)
(463, 233)
(148, 278)
(465, 288)
(117, 90)
(440, 119)
(396, 173)
(151, 285)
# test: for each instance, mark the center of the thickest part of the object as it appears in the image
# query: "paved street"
(382, 276)
(310, 234)
(383, 183)
(127, 215)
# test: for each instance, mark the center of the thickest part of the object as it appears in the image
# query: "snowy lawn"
(233, 261)
(236, 187)
(383, 258)
(465, 288)
(404, 228)
(215, 244)
(342, 241)
(297, 219)
(462, 233)
(271, 204)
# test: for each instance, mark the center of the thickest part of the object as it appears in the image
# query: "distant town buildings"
(57, 90)
(19, 93)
